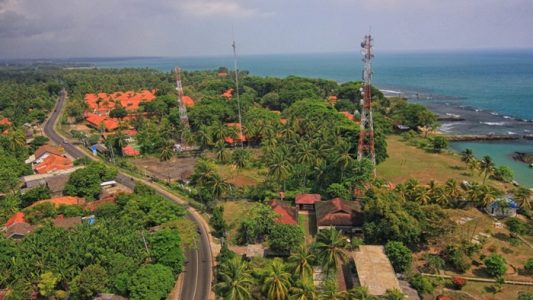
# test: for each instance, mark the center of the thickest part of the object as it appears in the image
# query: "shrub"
(516, 226)
(454, 256)
(495, 265)
(458, 282)
(421, 284)
(528, 266)
(399, 255)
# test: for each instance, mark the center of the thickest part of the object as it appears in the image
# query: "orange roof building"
(65, 200)
(348, 115)
(130, 151)
(130, 100)
(188, 101)
(228, 94)
(287, 214)
(96, 121)
(52, 163)
(16, 218)
(47, 150)
(5, 121)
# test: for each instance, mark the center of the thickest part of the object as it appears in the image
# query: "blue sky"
(89, 28)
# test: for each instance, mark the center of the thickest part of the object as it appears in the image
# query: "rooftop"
(188, 101)
(130, 151)
(338, 212)
(374, 270)
(52, 163)
(307, 198)
(16, 218)
(48, 149)
(287, 214)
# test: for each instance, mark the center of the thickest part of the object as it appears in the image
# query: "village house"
(346, 216)
(17, 227)
(53, 163)
(287, 214)
(44, 151)
(55, 181)
(307, 201)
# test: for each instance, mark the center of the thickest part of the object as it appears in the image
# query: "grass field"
(240, 177)
(234, 213)
(407, 162)
(306, 222)
(481, 290)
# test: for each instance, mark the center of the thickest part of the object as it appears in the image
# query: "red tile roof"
(337, 212)
(307, 198)
(228, 93)
(130, 151)
(48, 149)
(96, 120)
(188, 101)
(16, 218)
(65, 200)
(5, 121)
(287, 214)
(53, 162)
(130, 100)
(348, 115)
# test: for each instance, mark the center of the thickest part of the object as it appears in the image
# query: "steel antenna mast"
(366, 130)
(235, 67)
(182, 108)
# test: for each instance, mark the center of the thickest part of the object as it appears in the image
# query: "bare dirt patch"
(172, 170)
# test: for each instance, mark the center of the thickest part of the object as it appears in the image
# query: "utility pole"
(366, 129)
(237, 90)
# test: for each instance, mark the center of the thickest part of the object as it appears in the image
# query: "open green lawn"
(308, 225)
(234, 213)
(240, 177)
(407, 162)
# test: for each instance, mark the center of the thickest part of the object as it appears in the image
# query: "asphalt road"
(198, 269)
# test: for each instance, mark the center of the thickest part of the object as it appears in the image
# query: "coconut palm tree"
(17, 139)
(305, 290)
(453, 190)
(234, 280)
(467, 156)
(279, 166)
(276, 281)
(360, 293)
(523, 196)
(330, 290)
(306, 155)
(344, 158)
(221, 152)
(422, 195)
(240, 158)
(300, 261)
(203, 137)
(487, 195)
(487, 167)
(218, 186)
(167, 151)
(329, 247)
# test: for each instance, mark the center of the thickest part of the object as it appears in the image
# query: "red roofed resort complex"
(103, 103)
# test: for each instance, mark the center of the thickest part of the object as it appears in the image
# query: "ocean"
(492, 90)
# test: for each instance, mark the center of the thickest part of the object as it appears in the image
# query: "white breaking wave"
(507, 117)
(390, 92)
(494, 113)
(493, 123)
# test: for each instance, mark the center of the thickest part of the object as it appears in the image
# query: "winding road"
(197, 278)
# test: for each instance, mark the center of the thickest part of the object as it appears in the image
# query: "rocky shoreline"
(524, 157)
(481, 137)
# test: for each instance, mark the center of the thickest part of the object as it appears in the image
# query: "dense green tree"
(92, 280)
(399, 255)
(165, 249)
(285, 237)
(217, 222)
(495, 265)
(151, 282)
(86, 182)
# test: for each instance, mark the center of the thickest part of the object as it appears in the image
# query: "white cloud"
(225, 8)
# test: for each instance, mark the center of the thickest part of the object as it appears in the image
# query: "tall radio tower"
(366, 131)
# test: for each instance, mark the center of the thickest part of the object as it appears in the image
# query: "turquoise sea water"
(492, 90)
